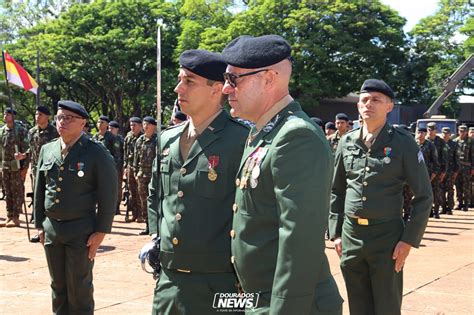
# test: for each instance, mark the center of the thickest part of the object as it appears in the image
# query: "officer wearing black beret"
(329, 128)
(282, 184)
(372, 165)
(318, 121)
(178, 117)
(193, 214)
(342, 126)
(74, 208)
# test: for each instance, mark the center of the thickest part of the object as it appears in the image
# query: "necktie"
(186, 143)
(369, 140)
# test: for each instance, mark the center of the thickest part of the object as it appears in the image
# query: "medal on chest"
(80, 169)
(252, 168)
(212, 163)
(387, 151)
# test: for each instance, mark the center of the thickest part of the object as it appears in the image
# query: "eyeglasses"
(232, 77)
(66, 118)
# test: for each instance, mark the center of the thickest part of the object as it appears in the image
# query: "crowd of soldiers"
(448, 158)
(133, 157)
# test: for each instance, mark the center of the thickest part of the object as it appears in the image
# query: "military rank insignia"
(212, 163)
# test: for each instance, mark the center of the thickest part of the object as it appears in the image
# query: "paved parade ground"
(439, 276)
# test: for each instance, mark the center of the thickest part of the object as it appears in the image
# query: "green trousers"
(69, 266)
(373, 286)
(179, 293)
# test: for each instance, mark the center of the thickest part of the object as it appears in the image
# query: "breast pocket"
(211, 184)
(49, 172)
(352, 159)
(165, 175)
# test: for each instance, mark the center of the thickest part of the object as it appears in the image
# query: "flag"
(18, 76)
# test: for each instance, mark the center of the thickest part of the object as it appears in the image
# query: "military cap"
(204, 63)
(342, 116)
(43, 109)
(9, 110)
(375, 85)
(180, 115)
(422, 129)
(256, 52)
(114, 124)
(471, 128)
(446, 130)
(318, 121)
(104, 118)
(150, 120)
(135, 119)
(463, 127)
(432, 125)
(73, 107)
(330, 125)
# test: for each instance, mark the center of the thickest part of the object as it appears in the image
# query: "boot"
(3, 224)
(15, 222)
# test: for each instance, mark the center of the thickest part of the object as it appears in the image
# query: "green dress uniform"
(67, 192)
(280, 217)
(366, 209)
(193, 215)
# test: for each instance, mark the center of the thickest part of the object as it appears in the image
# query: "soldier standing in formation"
(372, 165)
(74, 208)
(342, 126)
(329, 129)
(193, 213)
(144, 155)
(128, 154)
(466, 159)
(452, 169)
(471, 132)
(442, 152)
(283, 185)
(14, 162)
(38, 136)
(114, 128)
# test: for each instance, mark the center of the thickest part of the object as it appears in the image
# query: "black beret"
(150, 120)
(422, 129)
(342, 116)
(318, 121)
(73, 107)
(43, 109)
(180, 115)
(114, 124)
(204, 63)
(330, 125)
(256, 52)
(9, 110)
(374, 85)
(135, 119)
(104, 118)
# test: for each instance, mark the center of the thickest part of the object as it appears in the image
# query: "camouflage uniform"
(430, 155)
(463, 181)
(111, 143)
(128, 154)
(37, 137)
(145, 153)
(12, 181)
(334, 141)
(119, 166)
(447, 186)
(442, 151)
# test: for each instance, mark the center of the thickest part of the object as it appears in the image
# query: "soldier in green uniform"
(283, 185)
(372, 165)
(14, 161)
(466, 160)
(114, 128)
(38, 136)
(128, 153)
(442, 152)
(71, 182)
(342, 126)
(452, 169)
(105, 137)
(144, 155)
(430, 155)
(193, 213)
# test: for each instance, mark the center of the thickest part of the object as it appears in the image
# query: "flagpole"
(10, 101)
(37, 96)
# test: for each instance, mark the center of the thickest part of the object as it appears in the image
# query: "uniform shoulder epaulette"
(173, 126)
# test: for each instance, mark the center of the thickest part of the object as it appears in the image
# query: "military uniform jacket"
(279, 224)
(465, 152)
(442, 150)
(129, 148)
(430, 155)
(367, 186)
(193, 212)
(145, 153)
(111, 143)
(9, 138)
(38, 137)
(72, 188)
(452, 165)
